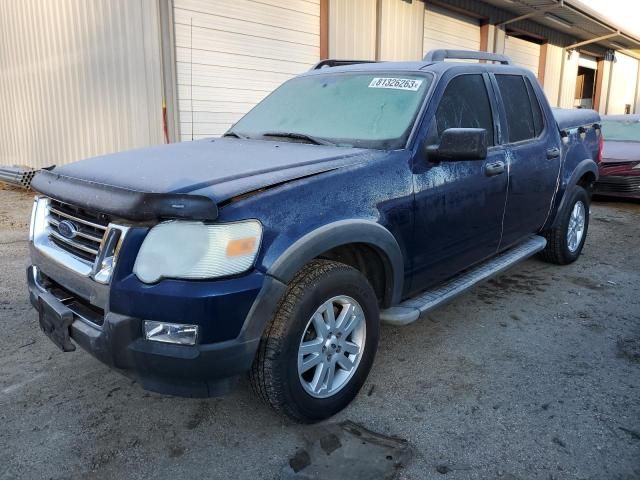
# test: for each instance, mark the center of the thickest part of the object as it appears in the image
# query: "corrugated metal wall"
(401, 30)
(622, 90)
(637, 104)
(352, 29)
(232, 53)
(552, 70)
(568, 82)
(78, 78)
(604, 91)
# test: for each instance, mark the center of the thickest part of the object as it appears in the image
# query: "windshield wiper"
(299, 136)
(232, 133)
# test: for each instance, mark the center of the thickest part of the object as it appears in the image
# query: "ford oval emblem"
(67, 229)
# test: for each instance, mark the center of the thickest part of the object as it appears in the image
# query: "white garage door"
(523, 53)
(231, 53)
(445, 29)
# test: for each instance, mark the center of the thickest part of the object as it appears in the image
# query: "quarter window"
(538, 123)
(465, 104)
(521, 120)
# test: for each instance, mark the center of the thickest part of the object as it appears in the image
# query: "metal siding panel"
(231, 54)
(401, 30)
(444, 29)
(606, 74)
(78, 79)
(623, 84)
(552, 71)
(637, 100)
(352, 29)
(568, 85)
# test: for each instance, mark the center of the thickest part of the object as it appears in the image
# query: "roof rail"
(440, 55)
(332, 62)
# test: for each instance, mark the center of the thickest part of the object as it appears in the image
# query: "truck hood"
(182, 179)
(616, 151)
(221, 167)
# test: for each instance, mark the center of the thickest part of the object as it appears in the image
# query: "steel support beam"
(592, 40)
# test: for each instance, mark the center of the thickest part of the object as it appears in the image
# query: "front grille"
(618, 184)
(606, 165)
(89, 229)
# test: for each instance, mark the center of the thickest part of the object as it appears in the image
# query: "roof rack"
(332, 62)
(441, 55)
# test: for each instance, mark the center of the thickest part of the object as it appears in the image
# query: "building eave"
(573, 19)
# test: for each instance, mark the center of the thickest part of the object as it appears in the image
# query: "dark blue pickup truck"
(354, 193)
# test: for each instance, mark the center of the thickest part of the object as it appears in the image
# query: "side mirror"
(459, 144)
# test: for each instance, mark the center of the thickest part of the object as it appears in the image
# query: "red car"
(620, 164)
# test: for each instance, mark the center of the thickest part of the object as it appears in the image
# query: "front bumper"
(194, 371)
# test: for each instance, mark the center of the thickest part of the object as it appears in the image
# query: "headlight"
(193, 250)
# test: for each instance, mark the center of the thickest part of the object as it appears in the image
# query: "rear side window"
(465, 104)
(518, 107)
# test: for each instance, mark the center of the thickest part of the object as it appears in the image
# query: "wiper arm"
(299, 136)
(232, 133)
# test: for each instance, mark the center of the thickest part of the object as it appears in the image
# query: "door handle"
(553, 153)
(494, 168)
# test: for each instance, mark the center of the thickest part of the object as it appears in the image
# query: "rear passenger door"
(458, 204)
(534, 156)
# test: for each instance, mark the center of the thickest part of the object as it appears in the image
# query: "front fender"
(339, 233)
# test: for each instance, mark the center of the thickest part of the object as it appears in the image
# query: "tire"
(559, 249)
(320, 288)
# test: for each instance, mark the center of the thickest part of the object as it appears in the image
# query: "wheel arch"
(584, 175)
(325, 242)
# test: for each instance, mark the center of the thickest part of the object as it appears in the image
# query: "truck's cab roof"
(436, 61)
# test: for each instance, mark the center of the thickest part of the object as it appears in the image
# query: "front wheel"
(318, 349)
(566, 239)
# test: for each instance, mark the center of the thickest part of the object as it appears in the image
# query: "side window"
(465, 104)
(538, 121)
(517, 105)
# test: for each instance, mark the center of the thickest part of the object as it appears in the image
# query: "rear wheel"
(318, 349)
(566, 239)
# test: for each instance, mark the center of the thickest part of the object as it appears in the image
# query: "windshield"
(350, 109)
(621, 130)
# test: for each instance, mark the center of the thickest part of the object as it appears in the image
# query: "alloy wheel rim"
(331, 346)
(575, 231)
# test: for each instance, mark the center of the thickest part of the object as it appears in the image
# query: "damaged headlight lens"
(193, 250)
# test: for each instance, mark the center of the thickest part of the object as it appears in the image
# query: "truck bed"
(575, 117)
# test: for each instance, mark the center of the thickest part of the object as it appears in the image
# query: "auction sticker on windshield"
(396, 83)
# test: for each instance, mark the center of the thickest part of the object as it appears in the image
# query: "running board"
(411, 309)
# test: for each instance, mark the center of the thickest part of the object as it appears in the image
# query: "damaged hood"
(166, 181)
(618, 151)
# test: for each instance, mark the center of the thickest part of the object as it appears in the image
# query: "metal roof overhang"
(574, 19)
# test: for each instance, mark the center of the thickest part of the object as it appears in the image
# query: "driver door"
(459, 205)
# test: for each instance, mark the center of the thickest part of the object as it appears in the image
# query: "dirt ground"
(533, 375)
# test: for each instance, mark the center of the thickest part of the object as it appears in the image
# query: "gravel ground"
(533, 375)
